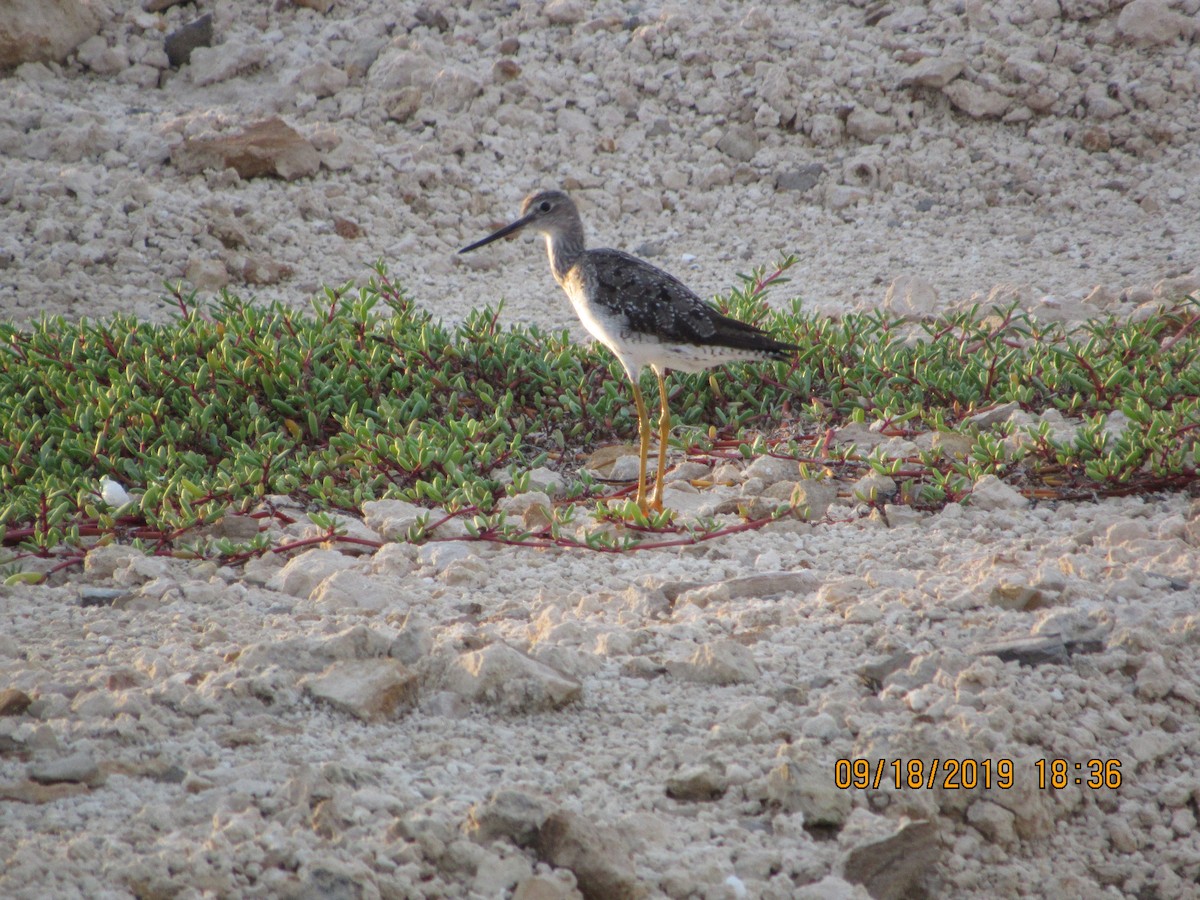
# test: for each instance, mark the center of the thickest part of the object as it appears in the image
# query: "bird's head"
(548, 212)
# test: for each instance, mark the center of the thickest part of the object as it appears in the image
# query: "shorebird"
(645, 316)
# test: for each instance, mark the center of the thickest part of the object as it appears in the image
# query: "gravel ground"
(466, 720)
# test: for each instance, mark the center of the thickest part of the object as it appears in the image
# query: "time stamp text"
(968, 774)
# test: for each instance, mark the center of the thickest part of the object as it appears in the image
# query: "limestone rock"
(322, 79)
(369, 689)
(1146, 23)
(868, 126)
(991, 493)
(718, 662)
(13, 702)
(101, 58)
(348, 588)
(597, 854)
(932, 72)
(913, 297)
(505, 677)
(394, 519)
(207, 275)
(893, 868)
(271, 147)
(989, 417)
(565, 12)
(44, 30)
(808, 788)
(1154, 679)
(740, 142)
(511, 814)
(760, 586)
(700, 782)
(303, 573)
(976, 101)
(801, 179)
(992, 821)
(772, 469)
(874, 487)
(212, 65)
(545, 887)
(520, 505)
(829, 888)
(78, 768)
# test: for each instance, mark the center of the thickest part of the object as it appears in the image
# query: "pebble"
(894, 867)
(13, 702)
(371, 690)
(989, 493)
(270, 147)
(599, 857)
(180, 43)
(807, 788)
(302, 574)
(718, 662)
(697, 783)
(78, 768)
(503, 676)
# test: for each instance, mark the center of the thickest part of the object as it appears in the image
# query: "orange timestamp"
(968, 774)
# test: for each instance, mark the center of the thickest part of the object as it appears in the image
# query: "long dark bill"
(496, 235)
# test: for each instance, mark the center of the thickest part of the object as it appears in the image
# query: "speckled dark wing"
(657, 303)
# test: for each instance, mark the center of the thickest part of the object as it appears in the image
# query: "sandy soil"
(466, 720)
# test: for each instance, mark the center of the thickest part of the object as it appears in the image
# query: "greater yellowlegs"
(644, 315)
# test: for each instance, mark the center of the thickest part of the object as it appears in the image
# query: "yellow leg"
(664, 429)
(644, 448)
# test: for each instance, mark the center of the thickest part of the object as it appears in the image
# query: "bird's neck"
(564, 249)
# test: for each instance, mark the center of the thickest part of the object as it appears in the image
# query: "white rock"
(351, 589)
(772, 469)
(976, 101)
(933, 72)
(760, 586)
(44, 30)
(502, 676)
(519, 504)
(718, 662)
(808, 788)
(394, 518)
(211, 65)
(993, 821)
(369, 689)
(301, 576)
(1154, 679)
(912, 296)
(322, 79)
(830, 888)
(869, 126)
(565, 12)
(78, 768)
(546, 480)
(1145, 23)
(990, 493)
(874, 487)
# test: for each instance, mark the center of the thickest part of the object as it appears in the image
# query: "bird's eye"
(544, 206)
